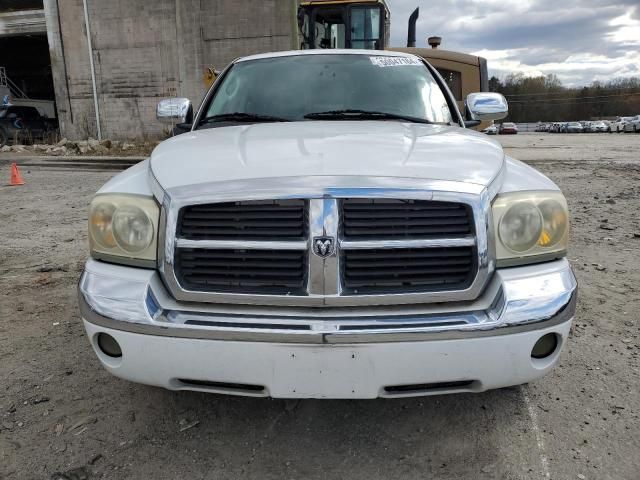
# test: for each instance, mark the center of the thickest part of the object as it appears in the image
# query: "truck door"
(367, 24)
(328, 28)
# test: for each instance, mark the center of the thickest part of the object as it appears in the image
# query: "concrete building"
(24, 51)
(142, 51)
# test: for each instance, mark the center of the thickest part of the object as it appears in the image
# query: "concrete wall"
(144, 51)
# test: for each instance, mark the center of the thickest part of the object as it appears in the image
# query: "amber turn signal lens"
(100, 219)
(554, 217)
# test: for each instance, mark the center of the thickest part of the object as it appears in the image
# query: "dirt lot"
(60, 411)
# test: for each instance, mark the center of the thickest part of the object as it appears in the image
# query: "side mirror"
(486, 106)
(175, 110)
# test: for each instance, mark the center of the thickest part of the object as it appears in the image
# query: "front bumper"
(329, 352)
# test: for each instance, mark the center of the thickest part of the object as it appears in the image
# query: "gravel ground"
(61, 412)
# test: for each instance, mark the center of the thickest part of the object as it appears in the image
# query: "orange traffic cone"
(16, 178)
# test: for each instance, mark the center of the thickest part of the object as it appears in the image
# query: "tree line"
(545, 99)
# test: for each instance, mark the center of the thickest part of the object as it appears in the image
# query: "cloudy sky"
(578, 40)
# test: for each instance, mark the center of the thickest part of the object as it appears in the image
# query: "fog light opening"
(109, 346)
(545, 346)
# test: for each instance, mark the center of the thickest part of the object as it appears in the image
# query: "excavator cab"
(343, 24)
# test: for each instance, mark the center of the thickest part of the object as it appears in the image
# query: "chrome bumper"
(516, 300)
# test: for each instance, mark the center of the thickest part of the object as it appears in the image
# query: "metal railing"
(14, 90)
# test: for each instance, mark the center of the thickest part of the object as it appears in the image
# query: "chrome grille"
(382, 250)
(257, 220)
(364, 218)
(407, 270)
(276, 272)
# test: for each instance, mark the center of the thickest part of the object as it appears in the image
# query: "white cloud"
(579, 40)
(625, 29)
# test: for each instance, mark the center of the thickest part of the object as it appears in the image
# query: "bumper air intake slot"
(430, 387)
(222, 386)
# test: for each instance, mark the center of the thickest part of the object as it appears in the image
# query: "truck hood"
(327, 148)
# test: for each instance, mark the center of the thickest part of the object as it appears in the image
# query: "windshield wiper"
(364, 115)
(241, 117)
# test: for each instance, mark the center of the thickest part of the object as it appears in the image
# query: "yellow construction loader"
(366, 24)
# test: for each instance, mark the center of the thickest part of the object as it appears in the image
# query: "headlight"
(123, 228)
(132, 228)
(520, 227)
(530, 227)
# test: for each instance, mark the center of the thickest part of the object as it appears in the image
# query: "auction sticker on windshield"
(394, 61)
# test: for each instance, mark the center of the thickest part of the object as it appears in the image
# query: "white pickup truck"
(329, 228)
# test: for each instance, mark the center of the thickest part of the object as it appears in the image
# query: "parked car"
(508, 128)
(23, 124)
(633, 124)
(598, 127)
(586, 126)
(491, 130)
(619, 123)
(315, 255)
(573, 127)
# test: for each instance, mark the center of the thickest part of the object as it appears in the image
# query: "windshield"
(293, 87)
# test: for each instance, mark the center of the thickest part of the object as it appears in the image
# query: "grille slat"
(409, 222)
(405, 255)
(407, 219)
(264, 220)
(278, 255)
(403, 263)
(234, 234)
(416, 233)
(376, 204)
(383, 213)
(204, 264)
(409, 272)
(398, 270)
(225, 224)
(280, 272)
(248, 207)
(231, 272)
